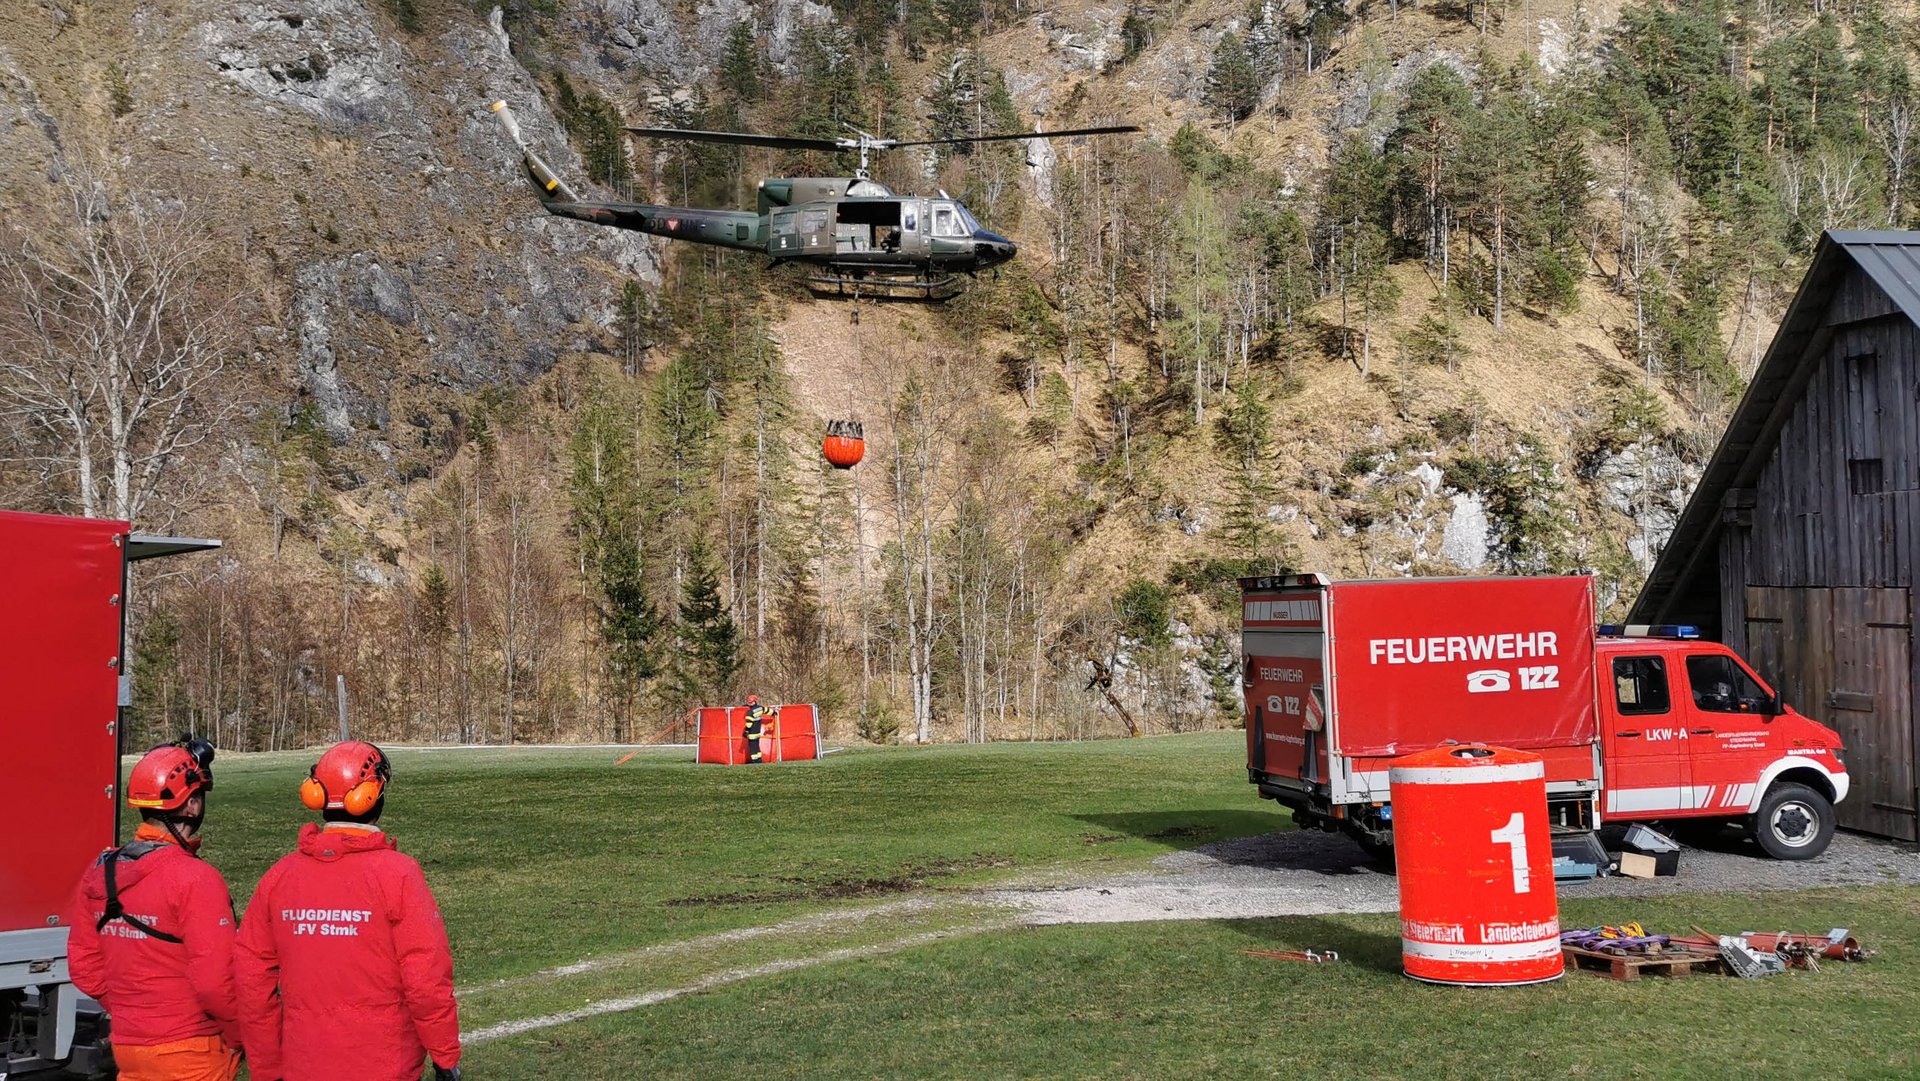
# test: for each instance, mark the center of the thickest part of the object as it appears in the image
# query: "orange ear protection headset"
(351, 777)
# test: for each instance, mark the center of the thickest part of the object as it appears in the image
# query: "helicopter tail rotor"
(546, 183)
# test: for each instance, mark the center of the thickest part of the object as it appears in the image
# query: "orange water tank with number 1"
(1475, 864)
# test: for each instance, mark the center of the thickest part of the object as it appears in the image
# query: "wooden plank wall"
(1809, 533)
(1808, 528)
(1843, 656)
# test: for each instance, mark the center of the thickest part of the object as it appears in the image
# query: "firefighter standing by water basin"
(757, 717)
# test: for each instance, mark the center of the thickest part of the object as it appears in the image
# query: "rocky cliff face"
(394, 253)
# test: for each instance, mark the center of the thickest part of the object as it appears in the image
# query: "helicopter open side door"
(801, 231)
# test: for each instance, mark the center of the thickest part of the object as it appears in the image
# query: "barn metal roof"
(1679, 586)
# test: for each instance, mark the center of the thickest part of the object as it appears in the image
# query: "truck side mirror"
(1774, 708)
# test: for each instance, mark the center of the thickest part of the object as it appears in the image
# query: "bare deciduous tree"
(114, 344)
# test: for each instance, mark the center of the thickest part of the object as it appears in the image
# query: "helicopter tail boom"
(725, 228)
(546, 183)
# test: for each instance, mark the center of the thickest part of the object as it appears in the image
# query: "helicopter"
(857, 234)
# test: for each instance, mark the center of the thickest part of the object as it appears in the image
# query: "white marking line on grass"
(719, 979)
(798, 925)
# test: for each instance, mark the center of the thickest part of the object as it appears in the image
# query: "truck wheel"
(1794, 822)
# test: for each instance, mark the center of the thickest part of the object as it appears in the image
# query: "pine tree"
(433, 612)
(1355, 196)
(1287, 251)
(1200, 272)
(961, 19)
(1325, 20)
(1375, 292)
(829, 73)
(1246, 436)
(597, 130)
(709, 655)
(1503, 186)
(1266, 41)
(741, 65)
(1233, 85)
(158, 703)
(629, 624)
(1425, 147)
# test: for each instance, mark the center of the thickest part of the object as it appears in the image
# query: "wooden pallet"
(1632, 966)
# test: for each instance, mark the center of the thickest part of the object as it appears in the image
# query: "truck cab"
(1691, 734)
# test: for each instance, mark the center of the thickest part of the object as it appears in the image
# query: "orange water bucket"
(1475, 866)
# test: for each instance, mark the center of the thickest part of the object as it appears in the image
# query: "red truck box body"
(62, 607)
(61, 580)
(1342, 677)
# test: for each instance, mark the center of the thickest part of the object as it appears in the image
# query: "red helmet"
(167, 777)
(753, 700)
(350, 777)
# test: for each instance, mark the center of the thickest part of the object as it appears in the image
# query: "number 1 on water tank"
(1514, 836)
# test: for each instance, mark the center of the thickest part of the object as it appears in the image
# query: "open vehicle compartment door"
(59, 674)
(1283, 646)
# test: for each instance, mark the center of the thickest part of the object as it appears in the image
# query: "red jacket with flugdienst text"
(343, 965)
(157, 991)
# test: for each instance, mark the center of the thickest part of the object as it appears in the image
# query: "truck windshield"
(1721, 686)
(1640, 685)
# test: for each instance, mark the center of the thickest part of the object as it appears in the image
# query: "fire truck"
(1632, 723)
(63, 684)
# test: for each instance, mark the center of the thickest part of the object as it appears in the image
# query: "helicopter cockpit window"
(946, 221)
(966, 218)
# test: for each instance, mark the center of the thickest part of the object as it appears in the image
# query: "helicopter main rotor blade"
(737, 138)
(1121, 129)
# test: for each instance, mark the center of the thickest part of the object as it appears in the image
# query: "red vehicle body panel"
(1366, 671)
(61, 580)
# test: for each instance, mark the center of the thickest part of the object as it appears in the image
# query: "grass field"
(850, 881)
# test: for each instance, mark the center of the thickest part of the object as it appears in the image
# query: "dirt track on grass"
(1277, 874)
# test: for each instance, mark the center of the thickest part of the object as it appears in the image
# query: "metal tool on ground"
(1312, 957)
(1747, 962)
(1835, 945)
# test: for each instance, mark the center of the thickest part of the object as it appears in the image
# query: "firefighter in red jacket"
(342, 961)
(151, 935)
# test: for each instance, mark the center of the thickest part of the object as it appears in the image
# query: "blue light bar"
(1648, 630)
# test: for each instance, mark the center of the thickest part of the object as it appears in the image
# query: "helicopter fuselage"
(876, 232)
(863, 236)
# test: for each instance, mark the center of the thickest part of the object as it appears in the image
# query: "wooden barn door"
(1844, 657)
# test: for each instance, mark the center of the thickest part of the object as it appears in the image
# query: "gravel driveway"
(1303, 874)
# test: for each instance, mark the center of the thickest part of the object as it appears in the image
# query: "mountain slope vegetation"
(1382, 289)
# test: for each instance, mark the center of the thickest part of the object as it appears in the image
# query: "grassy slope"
(544, 857)
(1181, 1000)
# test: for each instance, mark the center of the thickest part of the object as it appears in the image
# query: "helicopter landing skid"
(876, 286)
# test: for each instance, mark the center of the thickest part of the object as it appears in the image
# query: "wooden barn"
(1799, 548)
